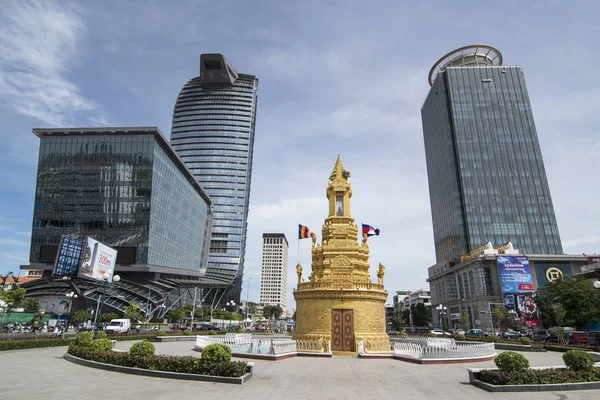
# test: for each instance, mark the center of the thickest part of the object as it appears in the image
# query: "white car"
(439, 332)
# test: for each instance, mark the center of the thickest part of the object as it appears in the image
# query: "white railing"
(424, 340)
(243, 343)
(442, 351)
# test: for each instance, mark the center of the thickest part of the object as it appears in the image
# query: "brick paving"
(43, 373)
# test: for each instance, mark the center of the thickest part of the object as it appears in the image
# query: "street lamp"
(71, 295)
(247, 297)
(442, 311)
(597, 284)
(105, 280)
(230, 304)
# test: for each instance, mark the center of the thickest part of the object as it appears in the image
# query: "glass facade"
(213, 133)
(487, 180)
(122, 190)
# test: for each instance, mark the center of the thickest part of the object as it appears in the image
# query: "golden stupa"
(340, 303)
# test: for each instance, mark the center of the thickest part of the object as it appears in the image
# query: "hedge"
(539, 376)
(185, 364)
(32, 343)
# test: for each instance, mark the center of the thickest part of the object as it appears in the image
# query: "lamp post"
(105, 280)
(442, 311)
(71, 295)
(247, 297)
(230, 304)
(597, 284)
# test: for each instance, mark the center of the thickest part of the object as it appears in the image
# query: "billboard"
(517, 288)
(68, 256)
(97, 259)
(549, 272)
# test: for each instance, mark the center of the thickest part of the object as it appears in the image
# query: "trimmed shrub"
(578, 360)
(212, 332)
(525, 341)
(492, 339)
(161, 333)
(431, 335)
(187, 333)
(216, 353)
(100, 345)
(142, 349)
(83, 339)
(460, 337)
(509, 361)
(102, 335)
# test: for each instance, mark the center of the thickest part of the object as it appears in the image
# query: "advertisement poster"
(97, 259)
(517, 288)
(68, 256)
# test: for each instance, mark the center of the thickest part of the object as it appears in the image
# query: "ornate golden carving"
(380, 273)
(299, 273)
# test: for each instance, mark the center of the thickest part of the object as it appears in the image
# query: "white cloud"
(38, 45)
(13, 242)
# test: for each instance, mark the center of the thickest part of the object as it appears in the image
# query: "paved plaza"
(43, 373)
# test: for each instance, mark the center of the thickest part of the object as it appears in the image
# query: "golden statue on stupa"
(339, 302)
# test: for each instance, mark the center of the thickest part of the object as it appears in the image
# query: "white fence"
(244, 343)
(444, 351)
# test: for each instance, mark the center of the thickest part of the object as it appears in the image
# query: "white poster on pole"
(97, 260)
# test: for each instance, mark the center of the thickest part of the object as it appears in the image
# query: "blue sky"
(336, 77)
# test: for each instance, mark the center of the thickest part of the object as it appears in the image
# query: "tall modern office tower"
(273, 270)
(487, 180)
(213, 133)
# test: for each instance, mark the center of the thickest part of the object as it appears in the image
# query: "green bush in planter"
(102, 335)
(83, 339)
(216, 353)
(525, 341)
(212, 332)
(142, 349)
(161, 333)
(101, 345)
(431, 334)
(510, 361)
(460, 337)
(187, 333)
(578, 360)
(492, 339)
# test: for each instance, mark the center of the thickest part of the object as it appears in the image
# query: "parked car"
(541, 335)
(474, 333)
(439, 332)
(593, 338)
(209, 327)
(511, 335)
(577, 337)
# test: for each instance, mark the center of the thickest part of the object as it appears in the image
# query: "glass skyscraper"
(487, 180)
(213, 133)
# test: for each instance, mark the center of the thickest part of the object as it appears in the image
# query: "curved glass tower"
(213, 133)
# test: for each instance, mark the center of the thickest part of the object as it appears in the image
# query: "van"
(118, 326)
(593, 338)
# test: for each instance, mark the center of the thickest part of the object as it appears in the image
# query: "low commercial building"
(490, 278)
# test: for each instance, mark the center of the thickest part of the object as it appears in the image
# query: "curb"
(444, 361)
(160, 374)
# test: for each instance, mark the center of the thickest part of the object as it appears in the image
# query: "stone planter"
(554, 387)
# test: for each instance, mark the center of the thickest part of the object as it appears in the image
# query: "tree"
(504, 319)
(267, 311)
(577, 297)
(176, 314)
(421, 315)
(294, 316)
(4, 277)
(398, 322)
(109, 316)
(464, 320)
(80, 316)
(31, 304)
(133, 312)
(12, 298)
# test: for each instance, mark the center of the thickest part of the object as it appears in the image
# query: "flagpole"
(298, 251)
